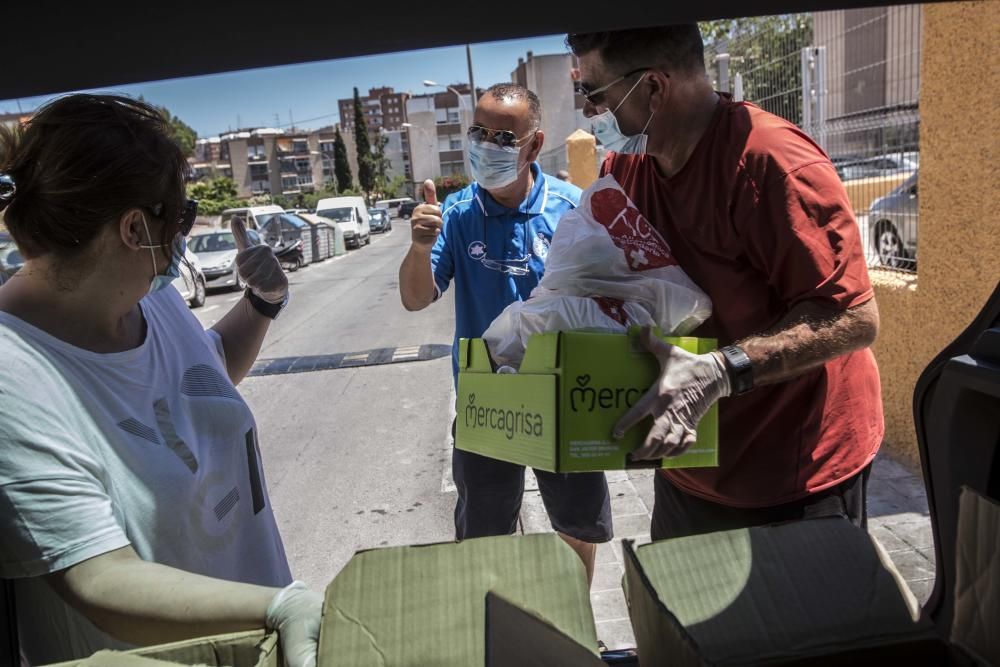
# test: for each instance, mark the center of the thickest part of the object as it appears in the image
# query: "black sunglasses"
(596, 96)
(188, 213)
(502, 138)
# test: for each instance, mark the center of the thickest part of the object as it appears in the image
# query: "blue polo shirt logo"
(477, 250)
(541, 246)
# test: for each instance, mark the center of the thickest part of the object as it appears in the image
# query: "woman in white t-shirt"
(133, 508)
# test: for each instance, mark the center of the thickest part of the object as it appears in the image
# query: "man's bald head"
(512, 93)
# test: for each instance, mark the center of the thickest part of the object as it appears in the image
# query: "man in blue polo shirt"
(491, 239)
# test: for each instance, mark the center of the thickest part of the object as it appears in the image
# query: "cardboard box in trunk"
(558, 411)
(426, 605)
(814, 592)
(239, 649)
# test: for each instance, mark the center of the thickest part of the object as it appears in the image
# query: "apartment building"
(551, 78)
(436, 129)
(384, 109)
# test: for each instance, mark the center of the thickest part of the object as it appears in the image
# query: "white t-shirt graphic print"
(152, 447)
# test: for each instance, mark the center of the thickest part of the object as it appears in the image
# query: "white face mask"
(606, 129)
(494, 167)
(177, 250)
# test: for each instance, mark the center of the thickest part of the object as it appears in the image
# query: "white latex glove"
(258, 266)
(295, 612)
(689, 385)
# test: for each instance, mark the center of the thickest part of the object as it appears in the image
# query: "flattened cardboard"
(516, 637)
(557, 413)
(254, 648)
(425, 605)
(977, 578)
(767, 594)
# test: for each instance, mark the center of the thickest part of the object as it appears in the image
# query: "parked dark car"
(892, 221)
(406, 209)
(379, 220)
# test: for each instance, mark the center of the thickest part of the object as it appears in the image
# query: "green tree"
(214, 195)
(341, 165)
(396, 187)
(366, 169)
(181, 132)
(381, 165)
(445, 185)
(766, 50)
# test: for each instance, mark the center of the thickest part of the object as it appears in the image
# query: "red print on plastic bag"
(643, 246)
(613, 308)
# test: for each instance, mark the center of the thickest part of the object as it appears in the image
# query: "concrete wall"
(959, 200)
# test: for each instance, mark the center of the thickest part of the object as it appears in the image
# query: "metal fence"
(554, 159)
(851, 80)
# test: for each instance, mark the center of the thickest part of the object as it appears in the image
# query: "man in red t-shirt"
(754, 212)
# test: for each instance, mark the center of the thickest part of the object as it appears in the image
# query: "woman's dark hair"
(79, 163)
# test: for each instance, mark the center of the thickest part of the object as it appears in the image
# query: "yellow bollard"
(581, 152)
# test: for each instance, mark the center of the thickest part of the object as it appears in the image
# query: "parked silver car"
(191, 283)
(217, 253)
(892, 220)
(10, 257)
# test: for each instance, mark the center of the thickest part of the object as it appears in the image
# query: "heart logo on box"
(472, 399)
(583, 380)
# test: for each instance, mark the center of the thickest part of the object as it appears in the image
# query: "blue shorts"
(490, 492)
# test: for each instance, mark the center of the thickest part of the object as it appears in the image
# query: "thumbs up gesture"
(258, 266)
(425, 222)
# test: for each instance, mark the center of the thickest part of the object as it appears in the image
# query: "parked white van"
(250, 215)
(351, 216)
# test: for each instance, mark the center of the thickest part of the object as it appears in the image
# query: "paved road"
(354, 457)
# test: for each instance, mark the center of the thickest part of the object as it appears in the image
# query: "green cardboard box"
(557, 412)
(253, 648)
(427, 605)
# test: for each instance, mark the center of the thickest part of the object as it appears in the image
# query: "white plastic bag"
(607, 269)
(508, 335)
(606, 247)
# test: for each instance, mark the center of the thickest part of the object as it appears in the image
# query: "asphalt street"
(356, 457)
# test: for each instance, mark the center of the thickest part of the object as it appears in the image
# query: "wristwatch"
(739, 368)
(265, 308)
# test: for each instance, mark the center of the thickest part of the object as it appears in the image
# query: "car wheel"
(368, 239)
(198, 300)
(890, 248)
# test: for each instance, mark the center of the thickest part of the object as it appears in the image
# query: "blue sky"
(215, 103)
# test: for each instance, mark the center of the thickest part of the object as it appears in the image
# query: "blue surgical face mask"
(173, 270)
(606, 129)
(494, 167)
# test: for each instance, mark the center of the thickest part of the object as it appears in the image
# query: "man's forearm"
(416, 280)
(808, 337)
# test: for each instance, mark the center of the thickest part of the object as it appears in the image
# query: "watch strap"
(740, 369)
(265, 308)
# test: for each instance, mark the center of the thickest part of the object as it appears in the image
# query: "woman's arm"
(147, 603)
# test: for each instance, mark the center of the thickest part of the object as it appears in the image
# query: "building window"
(305, 179)
(258, 171)
(456, 168)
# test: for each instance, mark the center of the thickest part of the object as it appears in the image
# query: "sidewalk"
(898, 518)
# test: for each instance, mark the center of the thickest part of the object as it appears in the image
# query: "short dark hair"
(79, 163)
(501, 91)
(675, 48)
